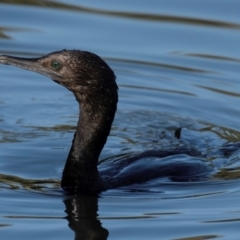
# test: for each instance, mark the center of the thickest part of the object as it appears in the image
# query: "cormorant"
(93, 84)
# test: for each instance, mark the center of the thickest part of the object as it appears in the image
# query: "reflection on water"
(131, 15)
(82, 217)
(2, 33)
(14, 182)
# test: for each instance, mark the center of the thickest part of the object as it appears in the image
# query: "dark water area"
(177, 65)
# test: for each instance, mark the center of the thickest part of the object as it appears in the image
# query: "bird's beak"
(31, 64)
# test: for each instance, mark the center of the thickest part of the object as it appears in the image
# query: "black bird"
(93, 84)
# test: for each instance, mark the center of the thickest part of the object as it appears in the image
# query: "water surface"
(177, 65)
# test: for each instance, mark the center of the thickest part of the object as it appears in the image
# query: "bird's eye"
(56, 65)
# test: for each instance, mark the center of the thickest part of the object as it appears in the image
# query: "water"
(177, 65)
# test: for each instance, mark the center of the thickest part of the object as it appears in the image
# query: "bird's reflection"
(82, 217)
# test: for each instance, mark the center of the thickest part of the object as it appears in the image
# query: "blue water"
(177, 65)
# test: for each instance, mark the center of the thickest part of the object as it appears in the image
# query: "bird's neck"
(93, 128)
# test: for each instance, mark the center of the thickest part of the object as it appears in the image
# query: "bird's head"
(79, 71)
